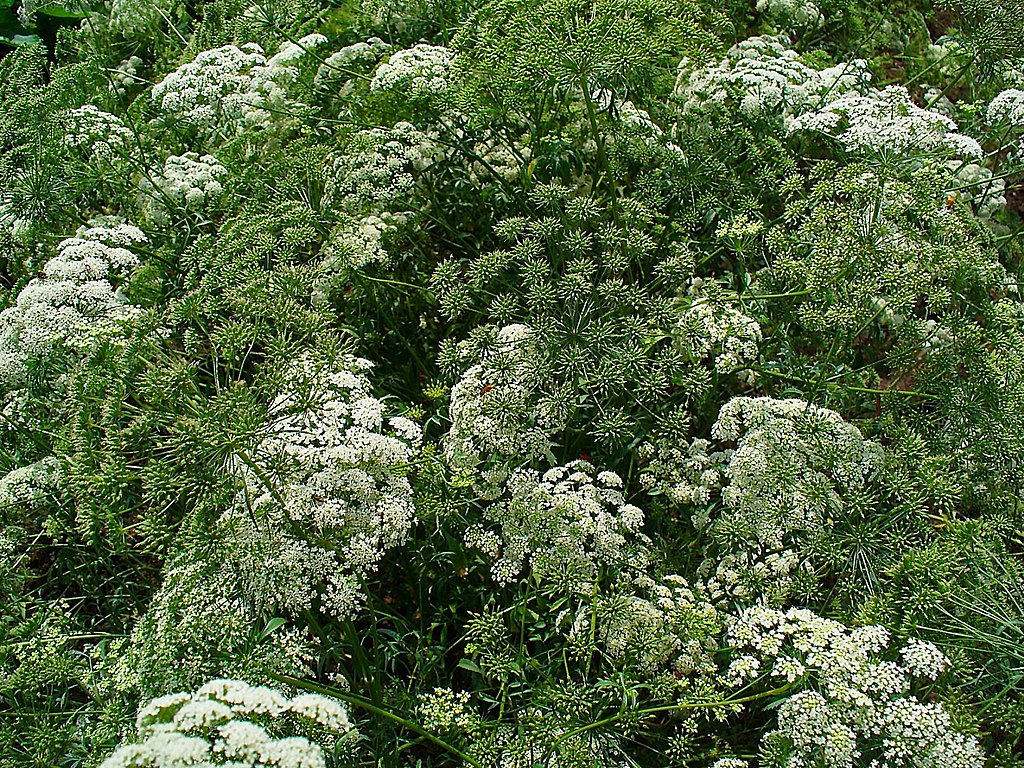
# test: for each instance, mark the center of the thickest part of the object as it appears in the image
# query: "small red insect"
(487, 388)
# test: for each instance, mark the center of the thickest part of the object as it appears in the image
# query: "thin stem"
(359, 701)
(671, 708)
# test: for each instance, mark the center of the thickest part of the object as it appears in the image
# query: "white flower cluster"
(325, 492)
(422, 70)
(712, 329)
(214, 726)
(750, 574)
(667, 626)
(354, 243)
(851, 702)
(686, 474)
(443, 711)
(361, 54)
(186, 181)
(792, 14)
(494, 405)
(395, 16)
(282, 66)
(792, 464)
(232, 89)
(887, 121)
(764, 75)
(130, 18)
(562, 524)
(219, 88)
(380, 165)
(923, 659)
(494, 157)
(24, 486)
(1008, 107)
(948, 54)
(100, 135)
(73, 303)
(358, 242)
(199, 625)
(125, 76)
(976, 185)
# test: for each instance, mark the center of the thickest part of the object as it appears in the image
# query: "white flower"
(717, 330)
(923, 659)
(231, 89)
(100, 135)
(859, 699)
(73, 305)
(792, 462)
(186, 181)
(494, 404)
(561, 525)
(795, 14)
(338, 64)
(422, 70)
(327, 496)
(380, 166)
(1008, 107)
(764, 76)
(209, 727)
(887, 121)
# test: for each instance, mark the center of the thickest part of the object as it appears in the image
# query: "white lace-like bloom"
(793, 14)
(751, 573)
(226, 86)
(136, 17)
(379, 166)
(762, 75)
(658, 626)
(1008, 107)
(860, 701)
(199, 625)
(948, 55)
(562, 525)
(686, 474)
(792, 463)
(716, 330)
(326, 495)
(494, 404)
(124, 76)
(975, 184)
(24, 486)
(356, 243)
(923, 659)
(887, 121)
(211, 727)
(232, 89)
(73, 304)
(358, 54)
(444, 711)
(100, 135)
(422, 70)
(186, 181)
(495, 157)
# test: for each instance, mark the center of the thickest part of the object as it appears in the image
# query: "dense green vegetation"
(520, 383)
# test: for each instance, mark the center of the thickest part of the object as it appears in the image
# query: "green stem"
(359, 701)
(867, 390)
(671, 708)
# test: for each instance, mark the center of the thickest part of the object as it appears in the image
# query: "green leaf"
(472, 666)
(272, 626)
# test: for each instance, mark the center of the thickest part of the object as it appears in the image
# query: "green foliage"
(688, 430)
